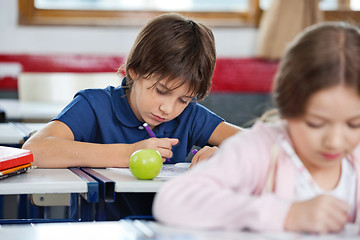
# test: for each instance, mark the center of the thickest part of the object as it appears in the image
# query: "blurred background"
(49, 49)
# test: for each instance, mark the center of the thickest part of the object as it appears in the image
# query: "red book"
(11, 157)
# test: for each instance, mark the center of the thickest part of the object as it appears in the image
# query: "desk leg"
(34, 211)
(87, 210)
(1, 207)
(101, 210)
(73, 208)
(22, 210)
(26, 210)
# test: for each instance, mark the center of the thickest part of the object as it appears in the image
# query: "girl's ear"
(133, 74)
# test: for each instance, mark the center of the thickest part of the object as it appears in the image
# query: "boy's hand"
(322, 214)
(204, 153)
(163, 145)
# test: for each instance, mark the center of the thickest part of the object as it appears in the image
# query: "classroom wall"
(234, 46)
(230, 42)
(116, 41)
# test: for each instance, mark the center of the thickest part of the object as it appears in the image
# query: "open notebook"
(14, 161)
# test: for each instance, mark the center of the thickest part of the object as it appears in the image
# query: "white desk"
(14, 132)
(27, 128)
(126, 182)
(21, 110)
(10, 134)
(122, 230)
(54, 187)
(132, 230)
(42, 181)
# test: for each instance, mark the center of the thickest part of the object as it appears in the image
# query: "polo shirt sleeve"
(203, 124)
(80, 118)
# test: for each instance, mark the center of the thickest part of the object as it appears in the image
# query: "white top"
(345, 189)
(306, 187)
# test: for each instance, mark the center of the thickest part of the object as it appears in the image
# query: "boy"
(169, 66)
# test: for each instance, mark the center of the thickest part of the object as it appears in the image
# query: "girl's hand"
(163, 145)
(322, 214)
(204, 153)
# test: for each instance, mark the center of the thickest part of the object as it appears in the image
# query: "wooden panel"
(29, 15)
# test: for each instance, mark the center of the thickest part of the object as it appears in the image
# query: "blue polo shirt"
(105, 116)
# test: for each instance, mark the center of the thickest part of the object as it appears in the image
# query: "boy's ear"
(133, 74)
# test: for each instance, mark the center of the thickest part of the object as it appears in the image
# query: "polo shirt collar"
(127, 117)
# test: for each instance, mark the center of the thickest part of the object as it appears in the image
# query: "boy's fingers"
(174, 141)
(165, 153)
(167, 143)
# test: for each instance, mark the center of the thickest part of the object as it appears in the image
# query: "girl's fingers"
(203, 154)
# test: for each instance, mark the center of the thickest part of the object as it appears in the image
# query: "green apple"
(145, 164)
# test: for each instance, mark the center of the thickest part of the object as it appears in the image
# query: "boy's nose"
(166, 107)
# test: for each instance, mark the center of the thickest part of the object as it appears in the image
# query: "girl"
(300, 173)
(169, 66)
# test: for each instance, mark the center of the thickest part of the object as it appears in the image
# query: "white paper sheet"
(167, 171)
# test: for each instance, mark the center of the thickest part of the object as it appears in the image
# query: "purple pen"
(151, 134)
(148, 129)
(194, 151)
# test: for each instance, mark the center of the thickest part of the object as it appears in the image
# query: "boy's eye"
(183, 101)
(160, 92)
(314, 124)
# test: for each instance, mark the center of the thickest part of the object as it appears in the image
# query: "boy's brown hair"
(171, 46)
(323, 56)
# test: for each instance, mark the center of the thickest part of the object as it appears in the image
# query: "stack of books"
(14, 161)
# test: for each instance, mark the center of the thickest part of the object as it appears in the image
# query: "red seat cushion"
(236, 75)
(247, 75)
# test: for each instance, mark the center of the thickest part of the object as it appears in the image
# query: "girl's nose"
(334, 138)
